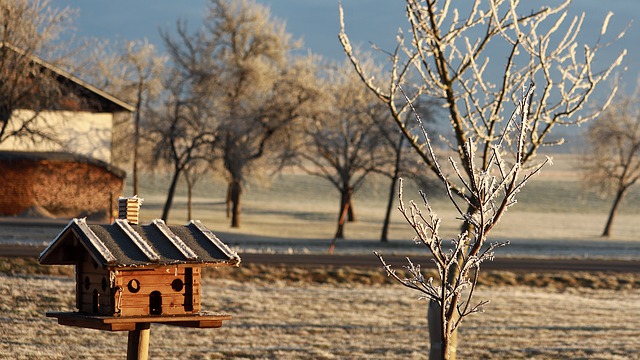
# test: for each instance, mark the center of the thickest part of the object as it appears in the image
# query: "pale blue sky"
(316, 21)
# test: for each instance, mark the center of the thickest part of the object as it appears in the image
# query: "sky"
(316, 21)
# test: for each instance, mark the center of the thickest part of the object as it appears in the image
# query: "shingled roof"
(122, 244)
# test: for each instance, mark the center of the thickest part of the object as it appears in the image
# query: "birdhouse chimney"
(129, 209)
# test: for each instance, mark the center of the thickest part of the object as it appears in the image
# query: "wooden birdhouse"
(129, 274)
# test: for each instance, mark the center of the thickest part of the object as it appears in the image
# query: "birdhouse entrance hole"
(133, 286)
(177, 285)
(155, 303)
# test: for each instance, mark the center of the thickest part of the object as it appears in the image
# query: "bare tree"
(449, 53)
(133, 71)
(405, 160)
(28, 33)
(241, 60)
(345, 143)
(612, 160)
(180, 134)
(142, 84)
(490, 192)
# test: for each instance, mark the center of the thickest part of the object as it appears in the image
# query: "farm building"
(125, 269)
(86, 131)
(85, 120)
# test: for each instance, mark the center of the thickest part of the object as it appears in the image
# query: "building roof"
(107, 102)
(122, 244)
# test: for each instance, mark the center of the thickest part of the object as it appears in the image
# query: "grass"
(294, 318)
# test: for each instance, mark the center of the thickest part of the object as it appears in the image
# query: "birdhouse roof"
(122, 244)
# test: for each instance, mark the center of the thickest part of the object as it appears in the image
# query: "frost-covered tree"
(180, 133)
(450, 50)
(345, 141)
(612, 159)
(141, 84)
(491, 190)
(134, 72)
(242, 61)
(405, 163)
(29, 32)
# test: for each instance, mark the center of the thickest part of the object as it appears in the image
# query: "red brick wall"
(63, 187)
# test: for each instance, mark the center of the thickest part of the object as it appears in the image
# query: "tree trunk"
(189, 194)
(136, 191)
(5, 115)
(440, 346)
(136, 143)
(351, 209)
(228, 201)
(384, 237)
(235, 192)
(614, 210)
(444, 347)
(170, 193)
(345, 202)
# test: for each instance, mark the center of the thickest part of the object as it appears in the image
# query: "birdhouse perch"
(129, 276)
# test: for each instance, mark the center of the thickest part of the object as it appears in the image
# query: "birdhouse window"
(177, 285)
(155, 303)
(104, 284)
(87, 283)
(133, 286)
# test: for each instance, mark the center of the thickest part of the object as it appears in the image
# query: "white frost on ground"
(309, 321)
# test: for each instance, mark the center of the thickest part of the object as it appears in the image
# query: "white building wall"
(84, 133)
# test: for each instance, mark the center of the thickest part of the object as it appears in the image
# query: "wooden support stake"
(340, 229)
(138, 344)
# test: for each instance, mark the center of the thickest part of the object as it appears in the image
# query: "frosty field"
(304, 320)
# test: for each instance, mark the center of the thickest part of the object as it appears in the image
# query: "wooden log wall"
(178, 288)
(93, 289)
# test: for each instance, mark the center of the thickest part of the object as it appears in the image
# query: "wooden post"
(138, 345)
